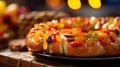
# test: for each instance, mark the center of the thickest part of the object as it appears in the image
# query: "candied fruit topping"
(102, 40)
(76, 44)
(108, 31)
(112, 36)
(58, 38)
(116, 32)
(49, 40)
(45, 44)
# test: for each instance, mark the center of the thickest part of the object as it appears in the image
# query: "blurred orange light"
(55, 4)
(74, 4)
(95, 3)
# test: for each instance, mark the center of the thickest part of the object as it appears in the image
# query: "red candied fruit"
(53, 36)
(102, 40)
(108, 31)
(76, 44)
(49, 28)
(112, 39)
(55, 27)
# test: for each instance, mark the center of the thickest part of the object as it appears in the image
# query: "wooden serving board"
(27, 59)
(24, 59)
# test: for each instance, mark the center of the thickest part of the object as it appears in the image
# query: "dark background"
(108, 8)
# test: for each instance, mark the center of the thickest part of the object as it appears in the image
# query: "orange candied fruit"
(77, 31)
(65, 31)
(58, 38)
(45, 44)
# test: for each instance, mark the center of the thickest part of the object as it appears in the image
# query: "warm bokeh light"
(74, 4)
(2, 9)
(2, 6)
(95, 3)
(55, 4)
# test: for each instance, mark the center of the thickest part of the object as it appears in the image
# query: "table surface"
(26, 59)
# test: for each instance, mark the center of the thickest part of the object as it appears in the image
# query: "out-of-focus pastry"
(17, 45)
(8, 22)
(27, 20)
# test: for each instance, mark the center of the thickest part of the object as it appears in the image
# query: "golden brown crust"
(34, 43)
(113, 48)
(83, 51)
(54, 48)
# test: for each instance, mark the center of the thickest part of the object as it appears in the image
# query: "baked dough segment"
(83, 51)
(54, 48)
